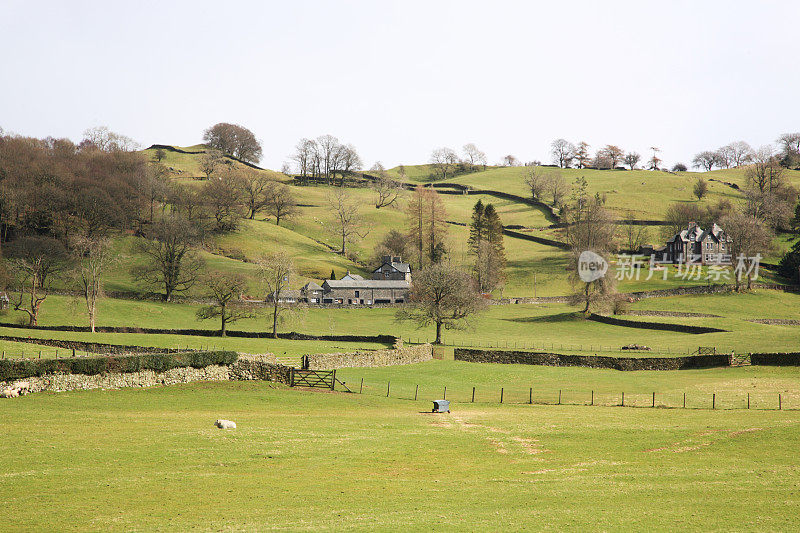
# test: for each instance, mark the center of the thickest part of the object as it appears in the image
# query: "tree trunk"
(438, 333)
(275, 319)
(224, 329)
(586, 297)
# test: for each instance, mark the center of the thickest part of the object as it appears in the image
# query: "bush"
(158, 362)
(679, 167)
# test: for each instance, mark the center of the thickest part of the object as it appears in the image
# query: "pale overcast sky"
(398, 79)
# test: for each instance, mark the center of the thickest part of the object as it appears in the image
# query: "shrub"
(158, 362)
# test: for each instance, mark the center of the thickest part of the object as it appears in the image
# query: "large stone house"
(364, 291)
(695, 245)
(393, 268)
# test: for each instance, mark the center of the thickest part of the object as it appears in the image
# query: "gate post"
(333, 380)
(291, 378)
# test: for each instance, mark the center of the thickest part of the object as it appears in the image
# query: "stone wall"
(404, 355)
(246, 368)
(615, 363)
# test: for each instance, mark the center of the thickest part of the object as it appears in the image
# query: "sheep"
(225, 424)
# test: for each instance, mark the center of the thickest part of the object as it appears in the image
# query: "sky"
(399, 79)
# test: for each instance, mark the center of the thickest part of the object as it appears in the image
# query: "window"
(357, 295)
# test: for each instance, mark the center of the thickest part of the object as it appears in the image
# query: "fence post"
(559, 396)
(388, 383)
(592, 398)
(501, 394)
(473, 394)
(779, 402)
(361, 389)
(530, 395)
(684, 400)
(714, 401)
(416, 390)
(654, 399)
(623, 399)
(444, 396)
(748, 400)
(333, 380)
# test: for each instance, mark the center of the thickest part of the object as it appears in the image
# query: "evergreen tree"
(486, 244)
(477, 228)
(333, 274)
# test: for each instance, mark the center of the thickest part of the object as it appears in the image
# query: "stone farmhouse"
(696, 245)
(390, 284)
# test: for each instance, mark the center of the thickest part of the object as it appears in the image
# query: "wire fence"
(520, 395)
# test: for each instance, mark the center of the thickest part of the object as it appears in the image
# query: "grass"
(552, 327)
(151, 459)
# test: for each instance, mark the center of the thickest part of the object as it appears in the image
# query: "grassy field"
(552, 326)
(151, 460)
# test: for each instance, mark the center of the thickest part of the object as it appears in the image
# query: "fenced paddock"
(517, 394)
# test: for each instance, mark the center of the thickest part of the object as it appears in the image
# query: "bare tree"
(510, 161)
(442, 295)
(281, 202)
(275, 272)
(739, 153)
(536, 180)
(234, 140)
(705, 160)
(34, 264)
(557, 187)
(92, 256)
(589, 228)
(225, 290)
(304, 156)
(655, 161)
(327, 148)
(473, 156)
(632, 159)
(106, 140)
(348, 160)
(635, 235)
(387, 190)
(765, 174)
(790, 149)
(255, 187)
(170, 261)
(443, 161)
(222, 199)
(750, 238)
(563, 152)
(210, 162)
(700, 188)
(160, 154)
(348, 223)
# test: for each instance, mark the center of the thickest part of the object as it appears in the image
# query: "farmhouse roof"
(366, 284)
(405, 268)
(311, 286)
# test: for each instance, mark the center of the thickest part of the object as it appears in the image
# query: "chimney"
(387, 259)
(396, 259)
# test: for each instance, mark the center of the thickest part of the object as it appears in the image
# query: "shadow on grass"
(559, 317)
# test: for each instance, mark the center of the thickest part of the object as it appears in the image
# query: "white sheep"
(225, 424)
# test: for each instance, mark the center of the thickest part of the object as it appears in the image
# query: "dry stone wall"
(404, 355)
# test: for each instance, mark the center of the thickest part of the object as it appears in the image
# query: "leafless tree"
(632, 159)
(222, 200)
(445, 296)
(510, 161)
(635, 235)
(304, 156)
(655, 161)
(427, 225)
(473, 156)
(34, 264)
(234, 140)
(347, 160)
(348, 223)
(281, 202)
(210, 162)
(557, 187)
(160, 154)
(705, 160)
(255, 187)
(386, 189)
(789, 144)
(750, 237)
(738, 153)
(170, 261)
(106, 140)
(92, 256)
(225, 290)
(443, 161)
(589, 228)
(536, 180)
(275, 272)
(765, 174)
(563, 152)
(327, 150)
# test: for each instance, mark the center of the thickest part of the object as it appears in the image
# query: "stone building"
(695, 245)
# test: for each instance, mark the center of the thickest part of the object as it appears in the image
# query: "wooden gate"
(707, 350)
(323, 379)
